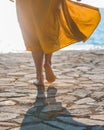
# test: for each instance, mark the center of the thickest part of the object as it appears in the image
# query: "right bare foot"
(50, 77)
(40, 86)
(38, 83)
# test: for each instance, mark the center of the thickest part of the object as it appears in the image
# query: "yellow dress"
(53, 24)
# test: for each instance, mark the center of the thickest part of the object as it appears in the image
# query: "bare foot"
(50, 77)
(40, 86)
(38, 83)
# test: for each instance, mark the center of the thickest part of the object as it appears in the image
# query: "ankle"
(47, 65)
(40, 77)
(38, 83)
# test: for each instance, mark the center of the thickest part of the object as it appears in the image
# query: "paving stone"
(6, 85)
(20, 84)
(24, 100)
(98, 95)
(70, 120)
(14, 109)
(96, 71)
(16, 128)
(85, 101)
(27, 120)
(7, 116)
(52, 107)
(24, 79)
(98, 84)
(19, 120)
(89, 82)
(20, 90)
(77, 105)
(63, 126)
(100, 107)
(92, 87)
(11, 95)
(61, 91)
(7, 103)
(97, 117)
(89, 122)
(30, 120)
(81, 93)
(4, 128)
(71, 75)
(96, 78)
(39, 126)
(2, 99)
(30, 76)
(78, 112)
(83, 68)
(6, 80)
(8, 124)
(17, 74)
(83, 79)
(98, 128)
(68, 98)
(33, 95)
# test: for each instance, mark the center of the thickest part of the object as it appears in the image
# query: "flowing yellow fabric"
(53, 24)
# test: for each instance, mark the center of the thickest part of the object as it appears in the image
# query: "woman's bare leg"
(38, 60)
(50, 77)
(48, 58)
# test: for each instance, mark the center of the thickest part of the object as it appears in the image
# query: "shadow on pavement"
(48, 114)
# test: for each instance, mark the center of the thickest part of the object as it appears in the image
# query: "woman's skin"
(39, 57)
(43, 60)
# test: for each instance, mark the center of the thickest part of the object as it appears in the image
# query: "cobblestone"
(73, 102)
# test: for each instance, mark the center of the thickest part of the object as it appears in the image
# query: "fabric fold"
(53, 24)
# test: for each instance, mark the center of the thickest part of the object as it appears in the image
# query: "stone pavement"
(74, 102)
